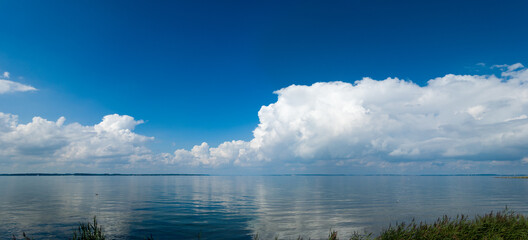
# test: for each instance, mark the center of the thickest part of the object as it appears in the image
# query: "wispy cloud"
(7, 86)
(509, 68)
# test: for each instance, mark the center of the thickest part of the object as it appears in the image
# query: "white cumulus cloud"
(453, 118)
(51, 142)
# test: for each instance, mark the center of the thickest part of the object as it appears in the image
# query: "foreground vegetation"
(501, 225)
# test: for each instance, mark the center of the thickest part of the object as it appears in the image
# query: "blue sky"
(200, 71)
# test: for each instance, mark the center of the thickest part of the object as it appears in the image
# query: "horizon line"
(285, 174)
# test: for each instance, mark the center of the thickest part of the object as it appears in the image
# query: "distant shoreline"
(293, 175)
(96, 174)
(512, 177)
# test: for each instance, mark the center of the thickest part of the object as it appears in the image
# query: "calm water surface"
(225, 207)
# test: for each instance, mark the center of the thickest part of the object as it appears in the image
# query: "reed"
(89, 231)
(499, 225)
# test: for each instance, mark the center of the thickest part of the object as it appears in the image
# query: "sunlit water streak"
(237, 207)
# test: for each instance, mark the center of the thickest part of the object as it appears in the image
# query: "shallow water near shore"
(237, 207)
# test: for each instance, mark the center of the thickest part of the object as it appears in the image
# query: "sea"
(240, 207)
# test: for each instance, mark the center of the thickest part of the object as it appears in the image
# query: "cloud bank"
(455, 117)
(458, 121)
(53, 142)
(7, 86)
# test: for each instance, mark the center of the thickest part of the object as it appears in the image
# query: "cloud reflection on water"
(228, 207)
